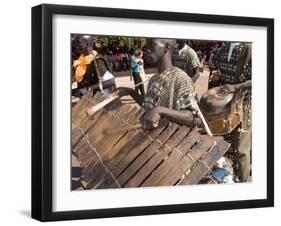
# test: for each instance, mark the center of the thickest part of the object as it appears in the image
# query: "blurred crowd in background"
(118, 51)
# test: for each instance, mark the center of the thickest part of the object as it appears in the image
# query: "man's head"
(181, 43)
(159, 48)
(84, 44)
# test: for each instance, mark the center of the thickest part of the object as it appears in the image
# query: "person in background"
(142, 71)
(185, 58)
(231, 70)
(110, 60)
(118, 60)
(82, 62)
(231, 64)
(125, 61)
(85, 70)
(137, 63)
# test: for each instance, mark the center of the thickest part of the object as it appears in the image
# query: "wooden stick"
(110, 98)
(203, 119)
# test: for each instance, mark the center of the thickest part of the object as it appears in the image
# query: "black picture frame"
(42, 108)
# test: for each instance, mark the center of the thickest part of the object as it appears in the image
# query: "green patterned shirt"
(186, 59)
(174, 90)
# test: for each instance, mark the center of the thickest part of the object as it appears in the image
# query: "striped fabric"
(186, 59)
(174, 90)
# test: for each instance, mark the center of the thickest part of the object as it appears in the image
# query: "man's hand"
(124, 91)
(152, 118)
(226, 89)
(215, 76)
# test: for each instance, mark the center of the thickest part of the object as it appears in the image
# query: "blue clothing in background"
(135, 66)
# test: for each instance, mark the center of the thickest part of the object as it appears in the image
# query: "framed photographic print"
(145, 112)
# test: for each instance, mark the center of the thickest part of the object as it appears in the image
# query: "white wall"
(15, 111)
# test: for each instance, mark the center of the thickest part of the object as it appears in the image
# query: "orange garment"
(81, 65)
(118, 56)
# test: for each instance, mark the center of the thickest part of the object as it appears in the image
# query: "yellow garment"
(81, 65)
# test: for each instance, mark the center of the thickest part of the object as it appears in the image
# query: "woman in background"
(137, 63)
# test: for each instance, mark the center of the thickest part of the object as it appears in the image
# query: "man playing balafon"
(170, 91)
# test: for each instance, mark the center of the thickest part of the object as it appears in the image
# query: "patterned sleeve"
(192, 59)
(150, 82)
(185, 96)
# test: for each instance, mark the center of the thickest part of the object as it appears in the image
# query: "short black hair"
(171, 43)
